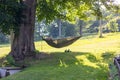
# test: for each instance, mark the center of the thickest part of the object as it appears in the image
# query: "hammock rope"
(59, 43)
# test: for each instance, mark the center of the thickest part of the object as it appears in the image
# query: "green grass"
(88, 60)
(4, 50)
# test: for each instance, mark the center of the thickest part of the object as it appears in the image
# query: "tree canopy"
(10, 15)
(10, 11)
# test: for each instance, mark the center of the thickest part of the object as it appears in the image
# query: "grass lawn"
(88, 60)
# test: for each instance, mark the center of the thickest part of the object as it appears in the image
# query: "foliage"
(70, 30)
(113, 71)
(36, 51)
(11, 11)
(113, 26)
(10, 60)
(41, 29)
(10, 15)
(48, 9)
(3, 38)
(67, 29)
(54, 31)
(68, 9)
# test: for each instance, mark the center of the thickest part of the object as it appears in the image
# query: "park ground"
(89, 59)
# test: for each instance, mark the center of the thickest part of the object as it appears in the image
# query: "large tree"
(23, 42)
(19, 16)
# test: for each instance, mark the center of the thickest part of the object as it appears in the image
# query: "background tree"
(80, 23)
(70, 30)
(113, 26)
(3, 38)
(40, 30)
(59, 22)
(54, 31)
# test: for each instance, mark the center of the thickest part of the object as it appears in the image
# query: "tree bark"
(59, 23)
(81, 26)
(100, 29)
(60, 28)
(23, 42)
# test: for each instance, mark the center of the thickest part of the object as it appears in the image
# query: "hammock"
(59, 43)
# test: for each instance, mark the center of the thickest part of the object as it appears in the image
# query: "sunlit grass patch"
(89, 60)
(109, 43)
(86, 61)
(4, 51)
(63, 66)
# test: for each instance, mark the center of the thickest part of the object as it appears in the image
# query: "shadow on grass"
(3, 61)
(108, 56)
(66, 66)
(74, 66)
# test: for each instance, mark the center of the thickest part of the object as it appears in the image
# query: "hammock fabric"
(59, 43)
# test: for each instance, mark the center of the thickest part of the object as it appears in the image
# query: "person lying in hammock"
(59, 43)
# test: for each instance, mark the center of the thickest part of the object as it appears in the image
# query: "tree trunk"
(11, 38)
(60, 28)
(100, 29)
(23, 43)
(80, 27)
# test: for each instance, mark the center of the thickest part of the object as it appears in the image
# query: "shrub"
(10, 60)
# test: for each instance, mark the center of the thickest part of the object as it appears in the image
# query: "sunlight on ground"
(95, 45)
(4, 51)
(89, 57)
(62, 64)
(85, 61)
(111, 43)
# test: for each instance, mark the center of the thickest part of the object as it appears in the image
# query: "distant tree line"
(68, 29)
(4, 39)
(80, 27)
